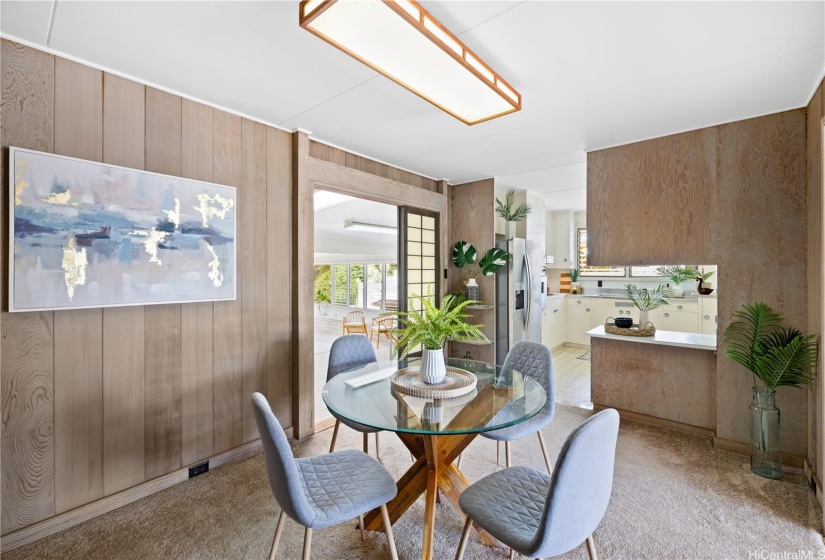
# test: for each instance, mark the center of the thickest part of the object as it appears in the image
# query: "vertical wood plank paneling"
(78, 334)
(253, 268)
(278, 278)
(27, 376)
(163, 322)
(473, 220)
(197, 319)
(816, 275)
(303, 256)
(123, 327)
(228, 385)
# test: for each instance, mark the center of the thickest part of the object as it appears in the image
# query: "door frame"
(310, 173)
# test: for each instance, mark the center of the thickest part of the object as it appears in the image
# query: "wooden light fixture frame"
(497, 83)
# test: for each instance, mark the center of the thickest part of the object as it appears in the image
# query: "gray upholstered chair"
(535, 360)
(323, 491)
(540, 515)
(346, 353)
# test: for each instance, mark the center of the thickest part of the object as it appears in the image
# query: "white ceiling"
(335, 243)
(592, 75)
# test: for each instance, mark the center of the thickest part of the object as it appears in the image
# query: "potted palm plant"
(574, 280)
(430, 328)
(647, 300)
(465, 255)
(776, 356)
(512, 215)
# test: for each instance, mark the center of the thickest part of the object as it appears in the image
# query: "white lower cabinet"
(579, 319)
(709, 315)
(681, 316)
(554, 323)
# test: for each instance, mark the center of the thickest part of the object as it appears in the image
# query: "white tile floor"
(572, 375)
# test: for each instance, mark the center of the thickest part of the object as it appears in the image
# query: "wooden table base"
(434, 470)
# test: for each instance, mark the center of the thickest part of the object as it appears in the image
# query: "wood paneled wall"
(734, 195)
(472, 219)
(354, 161)
(816, 274)
(97, 401)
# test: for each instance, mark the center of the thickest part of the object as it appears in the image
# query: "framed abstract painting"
(86, 234)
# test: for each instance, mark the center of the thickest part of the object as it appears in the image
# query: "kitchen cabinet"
(579, 320)
(681, 316)
(709, 308)
(554, 323)
(606, 308)
(558, 241)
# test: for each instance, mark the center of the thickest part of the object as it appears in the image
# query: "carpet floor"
(674, 496)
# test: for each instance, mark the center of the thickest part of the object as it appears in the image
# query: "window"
(645, 271)
(358, 285)
(584, 270)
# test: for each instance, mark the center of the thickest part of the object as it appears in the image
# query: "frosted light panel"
(378, 36)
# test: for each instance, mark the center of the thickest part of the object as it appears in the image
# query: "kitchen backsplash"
(554, 279)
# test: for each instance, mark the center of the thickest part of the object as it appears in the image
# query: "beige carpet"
(674, 497)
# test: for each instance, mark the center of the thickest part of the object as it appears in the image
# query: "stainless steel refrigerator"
(521, 294)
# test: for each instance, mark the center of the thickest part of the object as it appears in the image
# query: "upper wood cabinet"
(653, 201)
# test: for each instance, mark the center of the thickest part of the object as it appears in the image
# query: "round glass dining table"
(435, 431)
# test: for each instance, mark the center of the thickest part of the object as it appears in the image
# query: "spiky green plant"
(775, 355)
(505, 209)
(678, 274)
(648, 300)
(433, 326)
(574, 274)
(704, 277)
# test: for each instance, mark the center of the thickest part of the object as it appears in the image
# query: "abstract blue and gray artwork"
(87, 234)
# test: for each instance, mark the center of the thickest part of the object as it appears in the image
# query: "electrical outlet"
(200, 468)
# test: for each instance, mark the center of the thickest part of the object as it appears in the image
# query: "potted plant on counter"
(512, 215)
(678, 275)
(430, 328)
(776, 356)
(647, 300)
(574, 280)
(465, 255)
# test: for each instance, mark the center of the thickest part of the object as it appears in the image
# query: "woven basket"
(457, 382)
(635, 330)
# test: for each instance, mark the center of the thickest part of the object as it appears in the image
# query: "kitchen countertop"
(664, 338)
(590, 295)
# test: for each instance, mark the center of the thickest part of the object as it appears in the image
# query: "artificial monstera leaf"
(492, 261)
(464, 254)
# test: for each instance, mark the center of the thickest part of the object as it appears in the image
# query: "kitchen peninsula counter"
(669, 378)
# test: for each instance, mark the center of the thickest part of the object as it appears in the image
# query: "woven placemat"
(635, 330)
(456, 383)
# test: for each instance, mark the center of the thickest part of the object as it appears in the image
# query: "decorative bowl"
(623, 322)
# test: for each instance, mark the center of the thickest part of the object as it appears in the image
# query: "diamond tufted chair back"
(535, 360)
(580, 487)
(281, 470)
(348, 352)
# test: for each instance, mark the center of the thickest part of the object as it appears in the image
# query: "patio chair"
(354, 322)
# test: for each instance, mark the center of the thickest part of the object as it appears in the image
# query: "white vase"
(644, 317)
(510, 230)
(472, 290)
(677, 291)
(433, 412)
(433, 369)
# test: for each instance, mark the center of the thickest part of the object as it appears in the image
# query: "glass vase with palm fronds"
(776, 356)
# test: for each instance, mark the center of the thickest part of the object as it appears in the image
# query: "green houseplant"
(678, 275)
(574, 280)
(323, 300)
(647, 300)
(512, 213)
(465, 256)
(776, 356)
(430, 328)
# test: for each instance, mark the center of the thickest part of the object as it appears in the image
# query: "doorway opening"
(356, 276)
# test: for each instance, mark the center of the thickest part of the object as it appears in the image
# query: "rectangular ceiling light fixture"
(401, 40)
(372, 228)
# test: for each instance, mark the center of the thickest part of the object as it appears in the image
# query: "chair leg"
(385, 516)
(334, 435)
(507, 454)
(591, 548)
(361, 526)
(498, 453)
(544, 452)
(307, 543)
(512, 554)
(366, 442)
(458, 463)
(465, 534)
(376, 445)
(279, 529)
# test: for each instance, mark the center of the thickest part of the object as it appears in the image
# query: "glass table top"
(502, 397)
